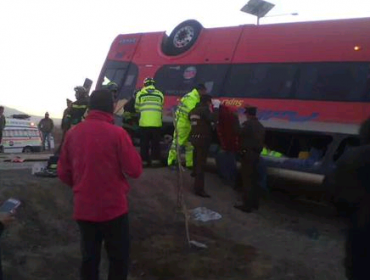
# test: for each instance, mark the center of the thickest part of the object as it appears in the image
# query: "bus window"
(180, 79)
(333, 81)
(261, 80)
(124, 74)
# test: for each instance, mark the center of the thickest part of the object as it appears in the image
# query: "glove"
(216, 103)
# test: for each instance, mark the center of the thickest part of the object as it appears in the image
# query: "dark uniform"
(130, 117)
(349, 186)
(252, 137)
(202, 120)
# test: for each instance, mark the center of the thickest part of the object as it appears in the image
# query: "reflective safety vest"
(266, 152)
(149, 104)
(187, 103)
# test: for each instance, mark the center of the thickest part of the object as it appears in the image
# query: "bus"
(21, 135)
(309, 80)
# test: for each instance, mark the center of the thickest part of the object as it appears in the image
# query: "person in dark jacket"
(202, 121)
(78, 109)
(252, 138)
(46, 126)
(349, 187)
(5, 220)
(97, 170)
(130, 117)
(65, 125)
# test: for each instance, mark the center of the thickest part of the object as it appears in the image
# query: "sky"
(47, 47)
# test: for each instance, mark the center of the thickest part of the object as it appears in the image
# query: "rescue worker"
(65, 113)
(149, 104)
(130, 117)
(75, 113)
(79, 108)
(252, 138)
(183, 126)
(113, 88)
(202, 121)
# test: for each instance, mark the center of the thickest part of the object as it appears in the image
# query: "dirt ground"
(277, 242)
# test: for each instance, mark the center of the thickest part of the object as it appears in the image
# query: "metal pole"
(258, 20)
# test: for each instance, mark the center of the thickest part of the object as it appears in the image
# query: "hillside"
(10, 111)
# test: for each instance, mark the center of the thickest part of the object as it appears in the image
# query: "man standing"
(46, 126)
(350, 182)
(202, 122)
(183, 126)
(149, 104)
(95, 160)
(252, 138)
(2, 123)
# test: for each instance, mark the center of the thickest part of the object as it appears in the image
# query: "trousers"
(150, 138)
(251, 190)
(115, 234)
(200, 161)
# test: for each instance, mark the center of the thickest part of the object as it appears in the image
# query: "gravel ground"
(277, 242)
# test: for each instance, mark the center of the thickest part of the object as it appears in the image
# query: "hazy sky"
(47, 47)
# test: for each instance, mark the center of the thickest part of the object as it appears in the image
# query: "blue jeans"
(46, 137)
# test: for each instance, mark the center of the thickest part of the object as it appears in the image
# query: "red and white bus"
(309, 80)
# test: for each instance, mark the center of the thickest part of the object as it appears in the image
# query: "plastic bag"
(203, 214)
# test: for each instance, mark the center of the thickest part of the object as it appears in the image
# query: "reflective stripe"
(151, 110)
(79, 106)
(150, 103)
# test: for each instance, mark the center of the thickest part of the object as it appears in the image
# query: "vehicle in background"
(21, 135)
(309, 80)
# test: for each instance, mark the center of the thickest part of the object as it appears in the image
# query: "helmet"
(80, 89)
(81, 92)
(112, 86)
(149, 82)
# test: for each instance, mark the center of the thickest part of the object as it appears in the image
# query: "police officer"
(252, 137)
(202, 121)
(183, 126)
(149, 104)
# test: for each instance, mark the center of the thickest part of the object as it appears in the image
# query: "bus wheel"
(27, 150)
(182, 38)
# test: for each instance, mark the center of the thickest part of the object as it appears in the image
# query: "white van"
(21, 136)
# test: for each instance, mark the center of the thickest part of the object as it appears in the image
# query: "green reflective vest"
(187, 103)
(149, 104)
(266, 152)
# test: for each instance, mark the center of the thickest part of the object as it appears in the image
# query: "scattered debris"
(203, 214)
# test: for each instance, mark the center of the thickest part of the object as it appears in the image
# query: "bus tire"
(182, 38)
(27, 150)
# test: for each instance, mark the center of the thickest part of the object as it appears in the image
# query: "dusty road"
(277, 242)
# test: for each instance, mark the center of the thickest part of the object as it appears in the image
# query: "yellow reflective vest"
(149, 104)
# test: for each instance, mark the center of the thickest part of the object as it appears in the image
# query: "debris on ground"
(203, 214)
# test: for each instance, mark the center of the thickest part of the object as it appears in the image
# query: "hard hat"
(80, 89)
(112, 86)
(149, 81)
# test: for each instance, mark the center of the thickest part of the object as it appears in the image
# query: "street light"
(260, 8)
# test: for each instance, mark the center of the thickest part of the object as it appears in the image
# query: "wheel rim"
(183, 37)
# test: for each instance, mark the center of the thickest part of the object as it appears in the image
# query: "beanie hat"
(101, 100)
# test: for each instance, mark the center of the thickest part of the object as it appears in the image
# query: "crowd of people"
(100, 194)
